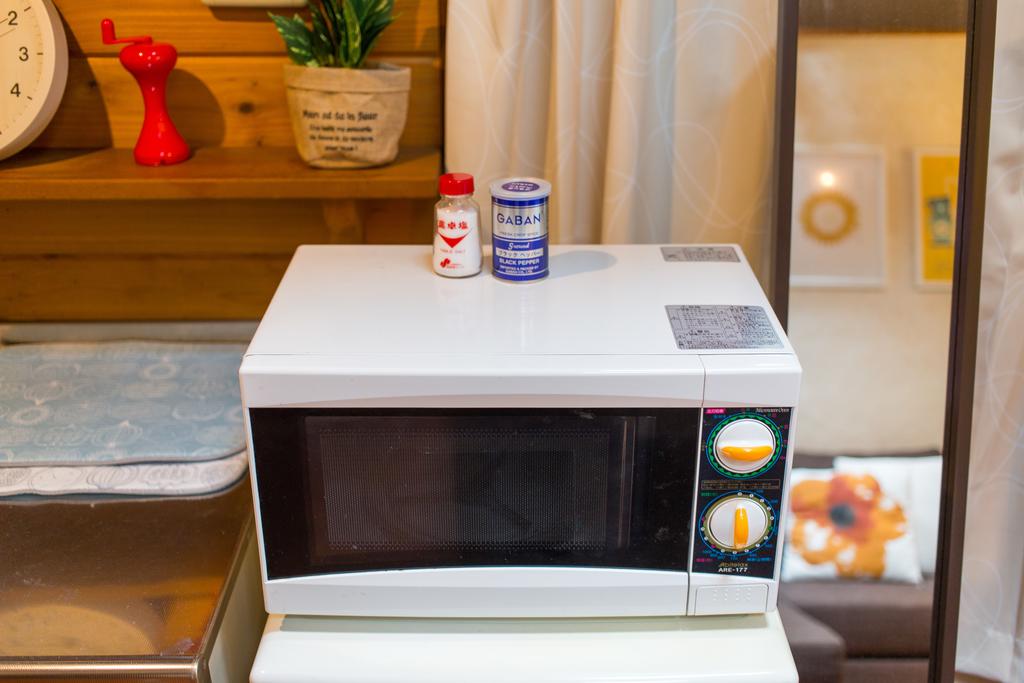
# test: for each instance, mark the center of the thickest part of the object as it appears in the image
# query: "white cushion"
(850, 525)
(135, 479)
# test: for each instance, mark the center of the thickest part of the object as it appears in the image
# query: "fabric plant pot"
(347, 118)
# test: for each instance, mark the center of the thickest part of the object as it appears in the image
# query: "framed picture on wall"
(935, 184)
(839, 211)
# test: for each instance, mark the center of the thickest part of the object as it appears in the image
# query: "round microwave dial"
(737, 523)
(745, 445)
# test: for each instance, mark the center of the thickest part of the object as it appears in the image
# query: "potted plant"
(346, 112)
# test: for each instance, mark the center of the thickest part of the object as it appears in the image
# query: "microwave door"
(357, 491)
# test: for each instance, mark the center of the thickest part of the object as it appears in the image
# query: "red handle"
(107, 30)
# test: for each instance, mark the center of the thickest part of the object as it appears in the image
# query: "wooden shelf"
(212, 173)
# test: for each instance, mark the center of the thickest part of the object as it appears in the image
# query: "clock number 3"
(23, 54)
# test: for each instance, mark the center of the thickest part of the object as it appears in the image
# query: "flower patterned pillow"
(925, 476)
(849, 526)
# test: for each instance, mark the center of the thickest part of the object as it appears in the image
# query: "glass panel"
(400, 484)
(878, 108)
(385, 489)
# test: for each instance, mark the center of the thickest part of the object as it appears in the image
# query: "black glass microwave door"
(388, 489)
(437, 485)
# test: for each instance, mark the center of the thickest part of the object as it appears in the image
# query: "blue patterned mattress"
(170, 409)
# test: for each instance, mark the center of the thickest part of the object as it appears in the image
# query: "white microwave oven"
(611, 441)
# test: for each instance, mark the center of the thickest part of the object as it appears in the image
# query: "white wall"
(875, 360)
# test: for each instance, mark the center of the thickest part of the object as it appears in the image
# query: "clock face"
(33, 70)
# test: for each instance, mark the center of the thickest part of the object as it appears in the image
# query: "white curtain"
(991, 636)
(653, 119)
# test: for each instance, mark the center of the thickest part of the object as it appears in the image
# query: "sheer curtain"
(991, 637)
(652, 118)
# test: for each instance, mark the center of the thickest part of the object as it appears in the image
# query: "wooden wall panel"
(172, 228)
(137, 287)
(215, 102)
(195, 29)
(168, 260)
(409, 222)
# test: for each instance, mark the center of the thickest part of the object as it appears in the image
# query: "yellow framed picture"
(935, 186)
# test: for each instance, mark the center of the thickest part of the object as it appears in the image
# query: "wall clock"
(33, 70)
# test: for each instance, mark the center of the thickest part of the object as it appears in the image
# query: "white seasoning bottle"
(457, 228)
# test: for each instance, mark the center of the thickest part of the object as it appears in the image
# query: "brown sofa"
(819, 652)
(883, 630)
(857, 631)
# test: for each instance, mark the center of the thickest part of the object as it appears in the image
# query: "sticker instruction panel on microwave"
(692, 254)
(722, 327)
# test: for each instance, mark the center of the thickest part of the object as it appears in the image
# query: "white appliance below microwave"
(611, 441)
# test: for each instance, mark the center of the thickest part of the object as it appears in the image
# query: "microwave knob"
(745, 446)
(738, 523)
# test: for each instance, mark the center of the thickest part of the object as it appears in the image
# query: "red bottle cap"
(454, 184)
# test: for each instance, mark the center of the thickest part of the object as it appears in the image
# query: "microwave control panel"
(740, 480)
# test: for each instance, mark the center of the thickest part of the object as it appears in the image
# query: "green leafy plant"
(341, 35)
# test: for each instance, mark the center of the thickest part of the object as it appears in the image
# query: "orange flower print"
(846, 521)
